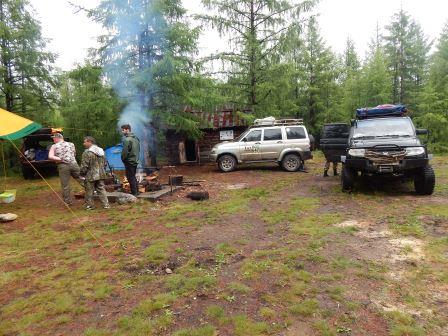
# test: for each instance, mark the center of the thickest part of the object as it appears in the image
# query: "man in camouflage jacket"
(92, 168)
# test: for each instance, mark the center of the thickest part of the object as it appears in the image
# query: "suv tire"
(291, 162)
(424, 181)
(347, 178)
(227, 163)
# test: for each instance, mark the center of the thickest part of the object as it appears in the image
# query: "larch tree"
(433, 101)
(317, 74)
(406, 48)
(88, 105)
(147, 56)
(26, 81)
(256, 29)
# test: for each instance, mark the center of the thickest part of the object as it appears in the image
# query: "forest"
(276, 63)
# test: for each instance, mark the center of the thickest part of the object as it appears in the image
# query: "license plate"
(386, 169)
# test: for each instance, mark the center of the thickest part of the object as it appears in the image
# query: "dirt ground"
(271, 253)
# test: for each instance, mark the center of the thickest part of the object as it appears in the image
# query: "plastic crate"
(8, 196)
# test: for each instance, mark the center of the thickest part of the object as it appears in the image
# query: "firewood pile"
(146, 183)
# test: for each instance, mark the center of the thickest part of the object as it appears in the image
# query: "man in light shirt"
(63, 153)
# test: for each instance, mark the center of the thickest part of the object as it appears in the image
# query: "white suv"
(284, 141)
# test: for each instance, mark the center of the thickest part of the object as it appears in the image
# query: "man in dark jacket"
(92, 168)
(130, 156)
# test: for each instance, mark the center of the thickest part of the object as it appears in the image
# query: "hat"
(58, 136)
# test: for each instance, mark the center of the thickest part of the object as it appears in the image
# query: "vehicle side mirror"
(244, 139)
(421, 131)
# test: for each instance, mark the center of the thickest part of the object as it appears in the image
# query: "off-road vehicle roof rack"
(276, 122)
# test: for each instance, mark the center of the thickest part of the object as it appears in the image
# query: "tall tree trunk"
(6, 63)
(253, 58)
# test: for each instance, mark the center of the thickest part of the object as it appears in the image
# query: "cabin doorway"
(190, 150)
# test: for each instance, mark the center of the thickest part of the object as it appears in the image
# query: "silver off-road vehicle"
(283, 141)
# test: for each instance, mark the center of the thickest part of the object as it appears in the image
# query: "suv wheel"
(424, 181)
(347, 179)
(227, 163)
(291, 162)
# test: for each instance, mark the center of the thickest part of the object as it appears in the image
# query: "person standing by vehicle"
(64, 154)
(130, 156)
(92, 167)
(327, 167)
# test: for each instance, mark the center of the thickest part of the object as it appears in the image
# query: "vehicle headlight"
(357, 152)
(414, 151)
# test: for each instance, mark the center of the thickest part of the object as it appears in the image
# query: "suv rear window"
(272, 134)
(295, 133)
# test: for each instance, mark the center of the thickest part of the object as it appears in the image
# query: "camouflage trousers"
(327, 166)
(91, 186)
(66, 171)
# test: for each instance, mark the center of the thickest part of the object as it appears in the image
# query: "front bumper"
(213, 157)
(368, 166)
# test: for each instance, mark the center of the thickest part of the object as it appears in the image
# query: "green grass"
(238, 287)
(244, 326)
(402, 324)
(201, 331)
(305, 308)
(158, 252)
(316, 225)
(411, 227)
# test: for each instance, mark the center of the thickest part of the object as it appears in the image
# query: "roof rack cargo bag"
(381, 111)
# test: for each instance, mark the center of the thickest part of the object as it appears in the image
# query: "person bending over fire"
(130, 156)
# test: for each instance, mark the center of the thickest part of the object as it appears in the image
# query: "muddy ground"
(271, 253)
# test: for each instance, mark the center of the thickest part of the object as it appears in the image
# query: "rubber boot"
(325, 173)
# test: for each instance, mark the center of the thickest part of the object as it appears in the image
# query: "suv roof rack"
(276, 122)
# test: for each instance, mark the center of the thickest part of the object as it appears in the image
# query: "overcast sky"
(71, 33)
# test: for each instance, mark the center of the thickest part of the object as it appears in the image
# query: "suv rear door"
(272, 144)
(334, 141)
(296, 137)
